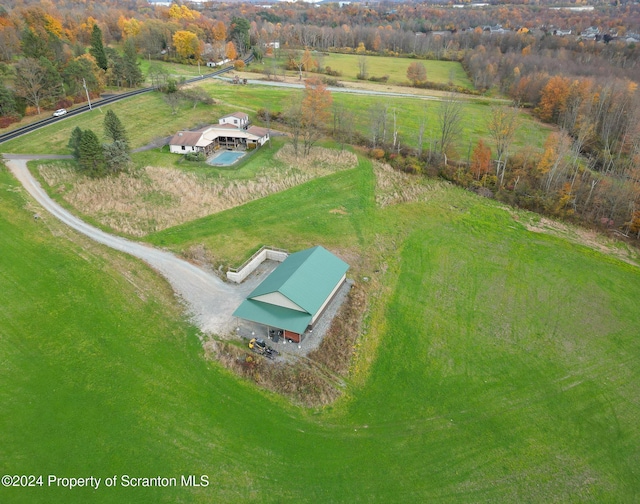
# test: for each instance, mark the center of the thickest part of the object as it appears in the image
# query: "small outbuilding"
(296, 293)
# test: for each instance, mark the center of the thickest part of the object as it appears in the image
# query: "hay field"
(155, 198)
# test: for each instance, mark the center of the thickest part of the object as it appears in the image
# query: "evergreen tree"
(240, 34)
(7, 101)
(132, 67)
(91, 156)
(74, 142)
(97, 47)
(34, 46)
(113, 128)
(116, 156)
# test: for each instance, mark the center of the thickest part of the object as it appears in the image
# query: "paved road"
(209, 301)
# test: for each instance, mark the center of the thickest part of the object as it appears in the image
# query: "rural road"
(209, 301)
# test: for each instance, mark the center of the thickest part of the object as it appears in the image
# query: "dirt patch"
(156, 198)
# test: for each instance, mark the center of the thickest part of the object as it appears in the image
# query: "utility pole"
(84, 85)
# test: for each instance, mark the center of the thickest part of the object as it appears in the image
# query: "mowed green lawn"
(506, 363)
(441, 72)
(148, 118)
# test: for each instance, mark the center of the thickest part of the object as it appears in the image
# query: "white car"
(60, 112)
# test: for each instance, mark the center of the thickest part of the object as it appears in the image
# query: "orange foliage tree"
(480, 160)
(553, 99)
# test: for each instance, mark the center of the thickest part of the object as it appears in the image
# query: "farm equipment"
(259, 346)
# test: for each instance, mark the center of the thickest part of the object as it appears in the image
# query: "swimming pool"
(225, 158)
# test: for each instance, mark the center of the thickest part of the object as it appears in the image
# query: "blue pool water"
(225, 158)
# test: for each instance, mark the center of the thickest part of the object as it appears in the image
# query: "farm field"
(148, 118)
(497, 365)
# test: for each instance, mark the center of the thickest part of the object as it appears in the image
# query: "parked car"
(60, 112)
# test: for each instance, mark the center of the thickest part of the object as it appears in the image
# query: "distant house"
(237, 119)
(231, 133)
(214, 64)
(295, 294)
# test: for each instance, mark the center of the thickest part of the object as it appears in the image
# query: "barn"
(296, 293)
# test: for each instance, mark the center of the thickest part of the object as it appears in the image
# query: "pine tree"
(131, 65)
(91, 156)
(97, 48)
(74, 142)
(113, 128)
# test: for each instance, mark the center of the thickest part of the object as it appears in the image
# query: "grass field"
(497, 365)
(441, 72)
(148, 117)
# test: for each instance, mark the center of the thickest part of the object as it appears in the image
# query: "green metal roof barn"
(294, 295)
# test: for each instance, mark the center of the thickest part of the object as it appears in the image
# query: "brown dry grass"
(582, 236)
(156, 198)
(299, 380)
(337, 346)
(394, 187)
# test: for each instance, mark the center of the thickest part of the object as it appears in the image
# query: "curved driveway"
(209, 301)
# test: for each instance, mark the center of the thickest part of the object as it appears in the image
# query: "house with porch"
(220, 136)
(294, 296)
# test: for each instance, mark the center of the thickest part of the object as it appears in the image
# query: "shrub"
(238, 64)
(195, 156)
(5, 121)
(376, 153)
(384, 78)
(332, 82)
(332, 73)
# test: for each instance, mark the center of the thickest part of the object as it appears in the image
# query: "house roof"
(258, 131)
(238, 115)
(186, 138)
(306, 279)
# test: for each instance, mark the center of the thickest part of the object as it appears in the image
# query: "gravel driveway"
(209, 301)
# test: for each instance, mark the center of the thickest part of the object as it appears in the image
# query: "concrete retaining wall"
(250, 266)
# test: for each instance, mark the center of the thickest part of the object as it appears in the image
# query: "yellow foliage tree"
(187, 44)
(182, 12)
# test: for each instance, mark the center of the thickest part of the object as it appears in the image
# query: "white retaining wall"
(247, 269)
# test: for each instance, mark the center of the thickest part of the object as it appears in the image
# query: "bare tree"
(450, 123)
(293, 116)
(378, 124)
(36, 81)
(502, 126)
(362, 67)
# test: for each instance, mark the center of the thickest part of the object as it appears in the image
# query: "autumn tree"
(230, 51)
(417, 73)
(480, 160)
(316, 110)
(219, 31)
(187, 44)
(553, 98)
